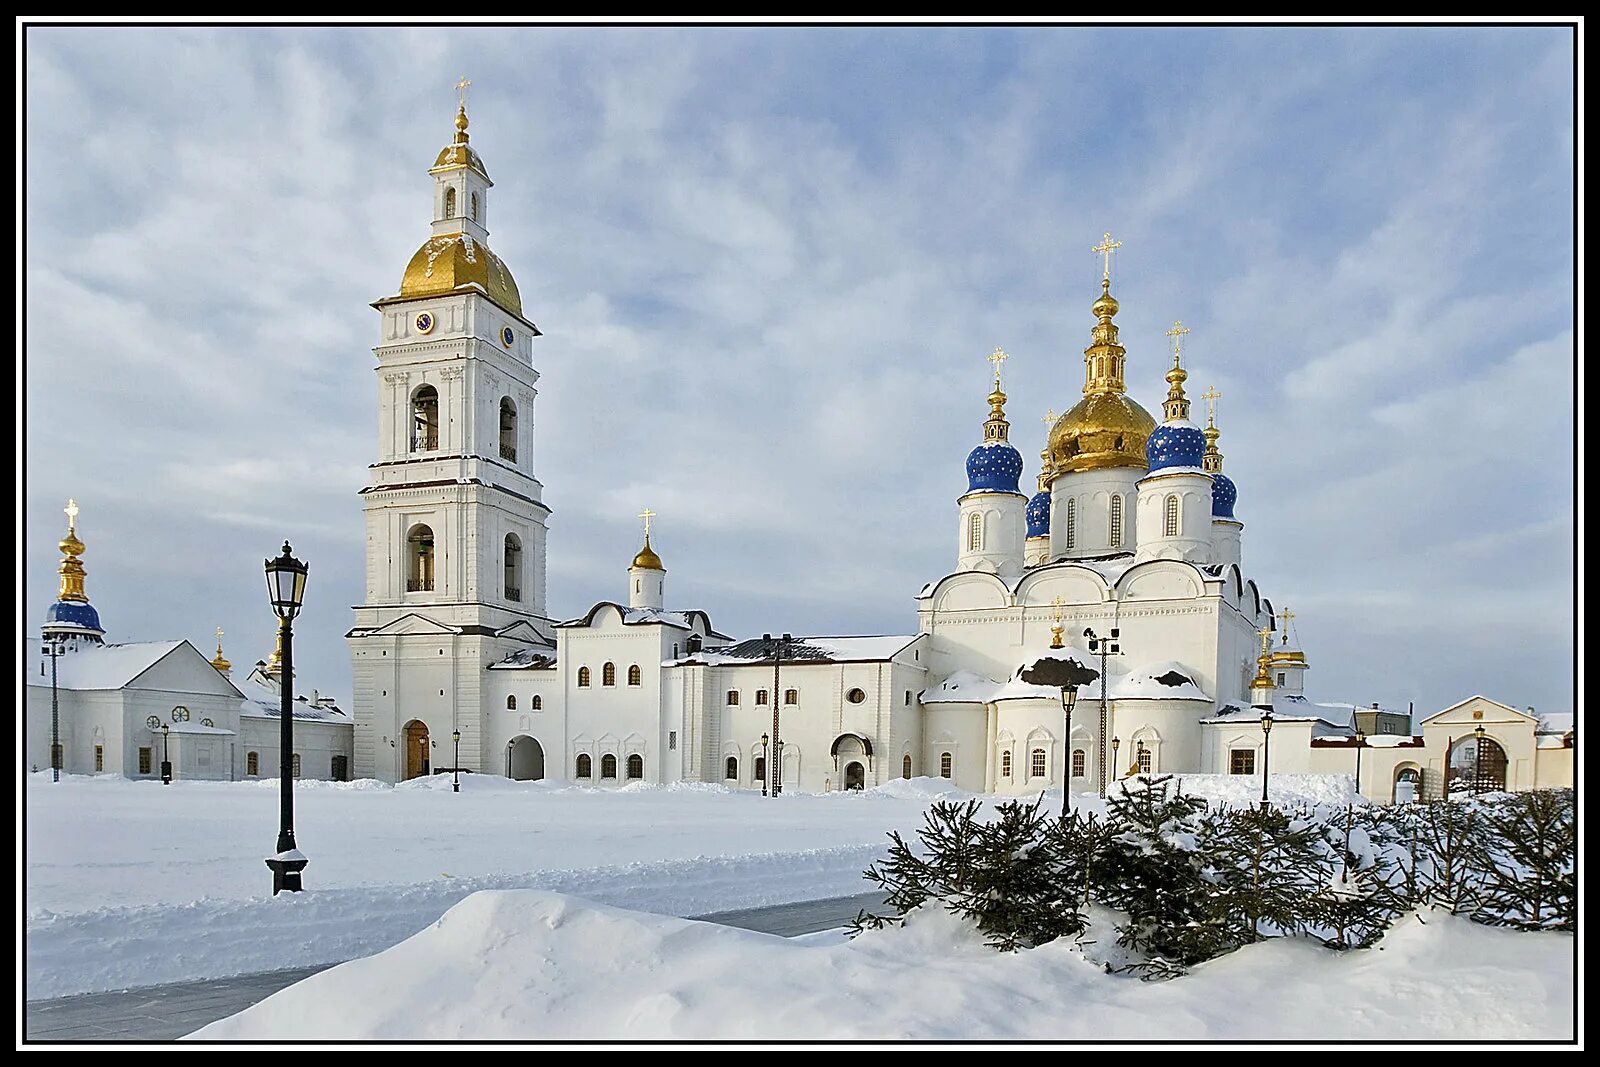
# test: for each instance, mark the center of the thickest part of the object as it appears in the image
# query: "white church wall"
(1091, 526)
(961, 731)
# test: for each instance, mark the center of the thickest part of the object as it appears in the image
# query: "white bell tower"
(455, 524)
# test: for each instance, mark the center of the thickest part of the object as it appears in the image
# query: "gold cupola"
(219, 661)
(1107, 428)
(71, 569)
(647, 558)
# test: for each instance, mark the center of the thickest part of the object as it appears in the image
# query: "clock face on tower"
(506, 337)
(425, 322)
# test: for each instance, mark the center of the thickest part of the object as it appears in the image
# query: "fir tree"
(1525, 854)
(1264, 870)
(1446, 844)
(1357, 901)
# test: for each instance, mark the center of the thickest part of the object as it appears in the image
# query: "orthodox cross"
(72, 515)
(1286, 615)
(1211, 396)
(219, 638)
(1105, 248)
(1049, 419)
(461, 87)
(1266, 640)
(1176, 333)
(647, 515)
(1056, 630)
(997, 357)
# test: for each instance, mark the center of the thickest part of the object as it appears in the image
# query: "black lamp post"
(1361, 742)
(774, 768)
(1069, 700)
(1103, 647)
(1266, 752)
(1477, 759)
(166, 762)
(55, 714)
(764, 764)
(1066, 675)
(1116, 743)
(286, 587)
(455, 770)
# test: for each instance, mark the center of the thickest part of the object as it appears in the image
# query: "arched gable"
(1073, 583)
(1255, 595)
(1161, 579)
(970, 591)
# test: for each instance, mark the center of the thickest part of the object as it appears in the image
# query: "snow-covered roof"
(961, 687)
(195, 728)
(1335, 720)
(805, 650)
(101, 667)
(682, 620)
(524, 659)
(1166, 680)
(263, 700)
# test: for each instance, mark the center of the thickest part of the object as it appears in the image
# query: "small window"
(635, 767)
(584, 767)
(180, 714)
(730, 768)
(144, 761)
(1280, 678)
(608, 766)
(511, 702)
(1116, 522)
(791, 696)
(905, 766)
(1079, 762)
(761, 770)
(474, 207)
(608, 674)
(1039, 770)
(672, 740)
(450, 202)
(733, 698)
(513, 553)
(252, 763)
(635, 675)
(1146, 760)
(1005, 765)
(99, 758)
(1171, 524)
(761, 696)
(1072, 523)
(908, 698)
(294, 765)
(975, 532)
(583, 677)
(1242, 761)
(419, 559)
(425, 419)
(855, 696)
(944, 765)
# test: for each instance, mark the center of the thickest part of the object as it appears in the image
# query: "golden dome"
(456, 262)
(1102, 430)
(648, 559)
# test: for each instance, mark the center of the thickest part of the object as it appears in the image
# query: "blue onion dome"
(1038, 514)
(1223, 496)
(75, 614)
(1175, 444)
(995, 466)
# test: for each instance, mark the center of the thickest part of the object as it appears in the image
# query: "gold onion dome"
(456, 262)
(647, 558)
(1107, 428)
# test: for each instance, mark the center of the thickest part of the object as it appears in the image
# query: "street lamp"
(764, 764)
(166, 761)
(1103, 647)
(286, 588)
(774, 768)
(1116, 743)
(1266, 751)
(55, 713)
(1069, 700)
(1477, 759)
(455, 770)
(1361, 742)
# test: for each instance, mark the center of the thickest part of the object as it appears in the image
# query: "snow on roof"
(804, 650)
(1335, 720)
(195, 728)
(681, 620)
(263, 700)
(102, 667)
(525, 659)
(961, 687)
(1166, 680)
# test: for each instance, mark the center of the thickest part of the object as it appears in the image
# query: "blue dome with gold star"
(1224, 494)
(1175, 444)
(994, 466)
(73, 614)
(1039, 514)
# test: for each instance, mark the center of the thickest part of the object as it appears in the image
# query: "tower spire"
(1103, 359)
(1176, 407)
(1212, 462)
(461, 112)
(996, 428)
(71, 569)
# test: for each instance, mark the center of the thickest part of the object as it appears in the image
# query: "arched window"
(585, 767)
(761, 696)
(474, 202)
(1005, 765)
(944, 765)
(1072, 523)
(760, 774)
(419, 556)
(252, 763)
(1145, 760)
(425, 419)
(791, 696)
(905, 766)
(1039, 769)
(583, 677)
(1078, 763)
(1171, 524)
(608, 766)
(508, 429)
(450, 202)
(537, 703)
(1116, 521)
(511, 702)
(730, 768)
(635, 767)
(975, 532)
(294, 765)
(733, 698)
(513, 567)
(608, 674)
(635, 675)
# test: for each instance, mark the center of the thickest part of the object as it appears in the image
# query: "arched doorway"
(1407, 784)
(527, 759)
(855, 776)
(415, 739)
(1477, 766)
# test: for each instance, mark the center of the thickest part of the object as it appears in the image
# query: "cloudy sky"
(768, 265)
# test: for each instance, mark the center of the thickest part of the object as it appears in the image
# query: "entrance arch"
(1407, 783)
(527, 759)
(855, 776)
(1477, 766)
(415, 739)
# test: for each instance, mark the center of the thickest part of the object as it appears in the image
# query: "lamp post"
(775, 767)
(166, 761)
(764, 764)
(55, 713)
(1266, 752)
(1116, 743)
(1069, 700)
(455, 770)
(1103, 647)
(1361, 742)
(1477, 759)
(286, 588)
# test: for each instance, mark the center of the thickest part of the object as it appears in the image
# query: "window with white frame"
(1039, 767)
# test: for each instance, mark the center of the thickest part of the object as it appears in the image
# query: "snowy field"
(131, 883)
(539, 965)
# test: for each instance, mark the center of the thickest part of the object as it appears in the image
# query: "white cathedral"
(1128, 558)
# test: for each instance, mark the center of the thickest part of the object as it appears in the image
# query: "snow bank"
(528, 965)
(1286, 790)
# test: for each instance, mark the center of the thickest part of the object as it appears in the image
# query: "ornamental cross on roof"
(647, 515)
(997, 357)
(1266, 639)
(1049, 418)
(1286, 615)
(1176, 333)
(1211, 396)
(72, 514)
(461, 87)
(1105, 248)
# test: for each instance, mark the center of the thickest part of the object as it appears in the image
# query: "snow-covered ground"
(540, 965)
(132, 883)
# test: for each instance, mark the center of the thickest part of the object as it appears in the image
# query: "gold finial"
(275, 661)
(647, 557)
(71, 569)
(997, 357)
(1176, 406)
(1176, 333)
(1049, 419)
(72, 515)
(461, 87)
(1263, 678)
(1211, 462)
(1105, 248)
(1057, 630)
(647, 515)
(1211, 396)
(219, 661)
(1286, 615)
(996, 428)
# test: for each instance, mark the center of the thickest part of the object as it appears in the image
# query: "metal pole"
(455, 771)
(765, 765)
(1105, 649)
(1066, 752)
(286, 749)
(1266, 754)
(776, 768)
(55, 719)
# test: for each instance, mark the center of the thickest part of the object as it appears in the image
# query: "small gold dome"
(648, 559)
(1107, 305)
(457, 262)
(1102, 430)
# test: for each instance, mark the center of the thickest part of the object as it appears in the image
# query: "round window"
(855, 696)
(154, 722)
(207, 722)
(180, 714)
(507, 337)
